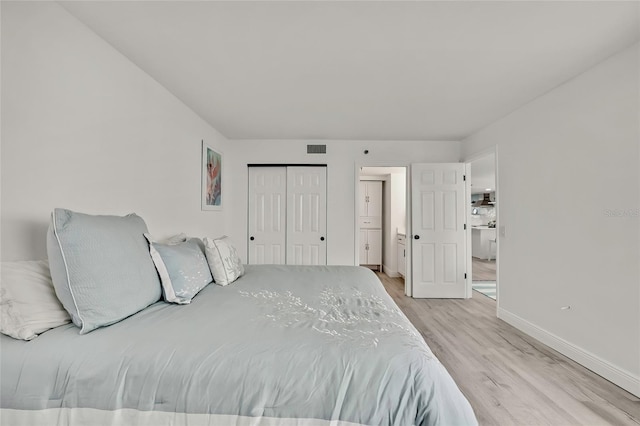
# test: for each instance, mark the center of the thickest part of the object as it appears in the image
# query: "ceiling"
(368, 70)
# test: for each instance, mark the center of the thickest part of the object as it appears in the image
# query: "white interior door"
(439, 238)
(307, 212)
(267, 215)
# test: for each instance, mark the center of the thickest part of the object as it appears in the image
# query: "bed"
(283, 345)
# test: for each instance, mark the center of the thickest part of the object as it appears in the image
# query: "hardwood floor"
(483, 269)
(508, 377)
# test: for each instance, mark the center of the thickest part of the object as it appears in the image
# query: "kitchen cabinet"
(481, 242)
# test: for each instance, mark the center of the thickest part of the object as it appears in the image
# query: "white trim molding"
(625, 379)
(390, 272)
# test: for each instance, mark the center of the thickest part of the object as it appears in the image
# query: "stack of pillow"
(104, 269)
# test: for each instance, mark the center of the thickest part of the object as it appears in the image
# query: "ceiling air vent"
(316, 149)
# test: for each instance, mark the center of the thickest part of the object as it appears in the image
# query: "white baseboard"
(390, 272)
(614, 374)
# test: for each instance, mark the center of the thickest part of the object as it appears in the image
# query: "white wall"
(566, 162)
(85, 129)
(341, 160)
(399, 202)
(389, 262)
(395, 218)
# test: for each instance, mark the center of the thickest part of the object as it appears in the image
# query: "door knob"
(417, 237)
(251, 238)
(321, 238)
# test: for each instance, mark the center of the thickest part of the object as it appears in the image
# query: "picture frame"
(212, 162)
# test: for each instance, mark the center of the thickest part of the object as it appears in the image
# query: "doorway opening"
(381, 222)
(483, 218)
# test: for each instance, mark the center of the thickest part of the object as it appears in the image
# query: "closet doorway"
(287, 214)
(381, 223)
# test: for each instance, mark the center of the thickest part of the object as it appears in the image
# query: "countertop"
(480, 227)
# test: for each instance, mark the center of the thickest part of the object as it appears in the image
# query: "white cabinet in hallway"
(371, 247)
(371, 223)
(370, 198)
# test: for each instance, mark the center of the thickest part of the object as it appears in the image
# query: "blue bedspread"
(282, 345)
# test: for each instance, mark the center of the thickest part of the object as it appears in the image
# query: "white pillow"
(11, 321)
(223, 260)
(28, 302)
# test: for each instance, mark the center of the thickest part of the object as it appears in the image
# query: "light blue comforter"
(282, 342)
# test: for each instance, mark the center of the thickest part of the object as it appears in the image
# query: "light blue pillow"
(182, 267)
(100, 267)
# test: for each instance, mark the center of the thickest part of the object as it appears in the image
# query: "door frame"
(468, 160)
(356, 220)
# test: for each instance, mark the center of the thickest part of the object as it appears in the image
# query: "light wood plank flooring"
(509, 377)
(483, 269)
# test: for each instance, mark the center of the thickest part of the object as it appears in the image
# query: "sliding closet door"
(267, 215)
(307, 215)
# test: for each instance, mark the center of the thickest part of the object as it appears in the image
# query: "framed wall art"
(211, 178)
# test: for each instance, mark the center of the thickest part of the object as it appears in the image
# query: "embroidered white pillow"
(223, 260)
(28, 302)
(182, 267)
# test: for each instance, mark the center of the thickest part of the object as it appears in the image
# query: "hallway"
(483, 270)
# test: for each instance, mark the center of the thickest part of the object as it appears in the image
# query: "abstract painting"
(211, 178)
